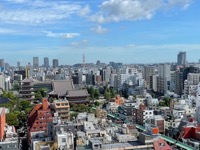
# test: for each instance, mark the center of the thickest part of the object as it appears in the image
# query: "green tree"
(107, 94)
(43, 92)
(96, 94)
(24, 105)
(165, 102)
(12, 119)
(91, 92)
(113, 92)
(38, 95)
(96, 103)
(73, 115)
(51, 99)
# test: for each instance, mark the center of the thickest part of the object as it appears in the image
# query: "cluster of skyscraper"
(55, 63)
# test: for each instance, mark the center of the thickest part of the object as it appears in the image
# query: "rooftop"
(60, 87)
(72, 93)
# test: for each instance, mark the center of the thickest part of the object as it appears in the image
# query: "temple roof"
(27, 80)
(60, 87)
(73, 93)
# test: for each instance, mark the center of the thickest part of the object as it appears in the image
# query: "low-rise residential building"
(8, 134)
(141, 114)
(38, 120)
(100, 113)
(62, 108)
(159, 122)
(160, 144)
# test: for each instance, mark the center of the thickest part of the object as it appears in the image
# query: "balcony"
(63, 110)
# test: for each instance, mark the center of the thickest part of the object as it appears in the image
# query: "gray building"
(2, 65)
(163, 78)
(181, 58)
(46, 62)
(148, 73)
(35, 62)
(18, 64)
(55, 63)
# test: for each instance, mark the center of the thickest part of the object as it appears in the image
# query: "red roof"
(160, 144)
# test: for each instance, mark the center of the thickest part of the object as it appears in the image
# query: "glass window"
(63, 140)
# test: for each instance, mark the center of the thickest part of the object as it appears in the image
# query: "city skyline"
(128, 31)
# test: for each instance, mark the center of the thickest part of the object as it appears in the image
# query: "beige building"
(62, 108)
(100, 113)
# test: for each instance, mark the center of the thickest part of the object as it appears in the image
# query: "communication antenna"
(83, 63)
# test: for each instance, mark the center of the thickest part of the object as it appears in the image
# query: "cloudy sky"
(128, 31)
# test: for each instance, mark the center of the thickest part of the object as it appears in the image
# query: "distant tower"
(55, 63)
(83, 65)
(18, 64)
(46, 62)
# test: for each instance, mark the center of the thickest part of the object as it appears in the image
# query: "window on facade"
(63, 140)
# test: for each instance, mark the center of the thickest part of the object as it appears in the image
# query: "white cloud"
(99, 29)
(131, 45)
(84, 11)
(17, 1)
(83, 43)
(61, 35)
(123, 10)
(36, 12)
(120, 10)
(71, 35)
(6, 31)
(184, 4)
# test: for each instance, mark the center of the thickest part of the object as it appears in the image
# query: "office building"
(7, 66)
(35, 62)
(181, 59)
(163, 78)
(178, 81)
(55, 63)
(18, 64)
(148, 73)
(2, 65)
(46, 62)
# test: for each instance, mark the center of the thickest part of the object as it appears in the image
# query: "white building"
(163, 78)
(65, 140)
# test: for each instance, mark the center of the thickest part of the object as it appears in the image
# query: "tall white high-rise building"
(164, 77)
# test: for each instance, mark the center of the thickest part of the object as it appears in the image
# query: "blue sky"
(128, 31)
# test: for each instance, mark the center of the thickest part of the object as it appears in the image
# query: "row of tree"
(165, 102)
(94, 93)
(108, 93)
(18, 110)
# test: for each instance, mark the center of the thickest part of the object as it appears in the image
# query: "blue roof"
(3, 100)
